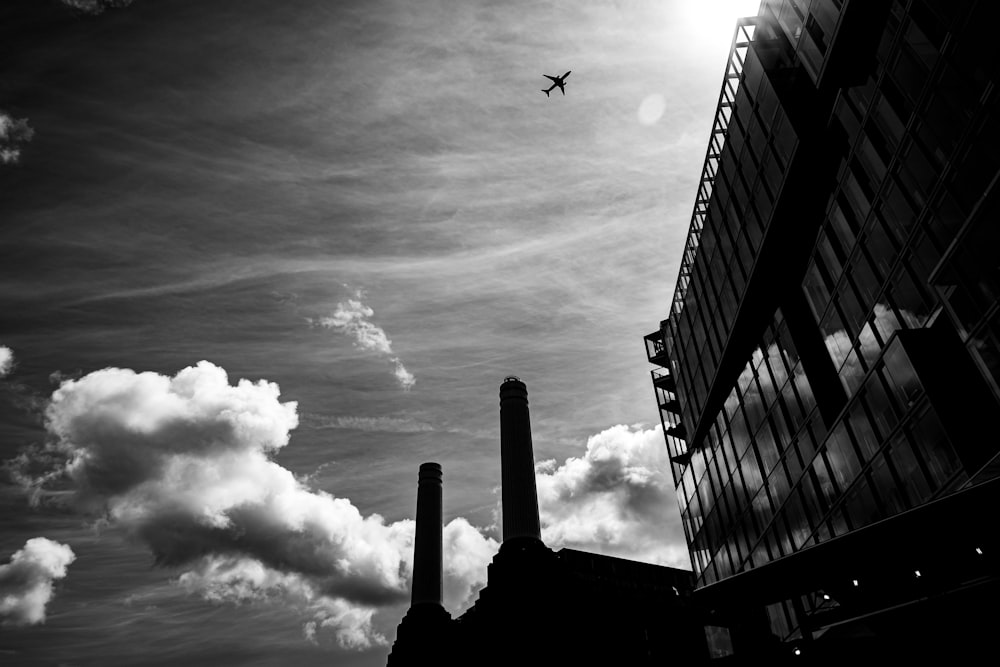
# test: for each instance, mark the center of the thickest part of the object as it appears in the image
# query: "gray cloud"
(183, 464)
(26, 581)
(616, 499)
(13, 133)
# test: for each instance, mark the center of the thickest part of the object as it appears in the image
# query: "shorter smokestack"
(427, 562)
(517, 464)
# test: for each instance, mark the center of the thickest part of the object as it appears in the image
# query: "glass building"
(828, 374)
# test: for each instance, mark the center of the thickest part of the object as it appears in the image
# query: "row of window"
(889, 452)
(759, 145)
(768, 405)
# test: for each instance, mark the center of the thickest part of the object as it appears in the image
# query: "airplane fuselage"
(557, 82)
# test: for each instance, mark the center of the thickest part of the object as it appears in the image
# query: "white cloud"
(13, 133)
(95, 6)
(466, 554)
(6, 360)
(26, 581)
(183, 464)
(405, 378)
(352, 318)
(616, 499)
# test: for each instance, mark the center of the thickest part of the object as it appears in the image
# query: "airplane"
(556, 81)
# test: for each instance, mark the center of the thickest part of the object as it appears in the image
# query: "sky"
(259, 260)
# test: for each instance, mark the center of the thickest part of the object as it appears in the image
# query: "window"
(888, 122)
(911, 476)
(767, 447)
(841, 456)
(864, 434)
(938, 454)
(860, 504)
(897, 212)
(885, 481)
(901, 377)
(856, 198)
(816, 290)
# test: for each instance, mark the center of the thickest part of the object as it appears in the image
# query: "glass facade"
(864, 354)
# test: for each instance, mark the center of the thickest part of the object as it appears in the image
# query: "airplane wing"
(553, 78)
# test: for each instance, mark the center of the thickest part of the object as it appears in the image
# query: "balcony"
(662, 379)
(656, 351)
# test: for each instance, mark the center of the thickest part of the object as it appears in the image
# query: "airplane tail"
(546, 92)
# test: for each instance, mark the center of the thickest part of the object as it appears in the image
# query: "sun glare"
(715, 20)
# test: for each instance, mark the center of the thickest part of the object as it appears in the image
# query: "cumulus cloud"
(6, 360)
(13, 133)
(26, 581)
(95, 7)
(352, 318)
(183, 463)
(615, 499)
(466, 553)
(241, 580)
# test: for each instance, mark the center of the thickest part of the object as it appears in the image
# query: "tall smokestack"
(427, 541)
(517, 464)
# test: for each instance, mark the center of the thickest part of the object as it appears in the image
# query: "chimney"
(517, 464)
(427, 541)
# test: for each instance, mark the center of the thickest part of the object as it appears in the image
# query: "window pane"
(937, 451)
(842, 457)
(889, 492)
(900, 375)
(911, 477)
(864, 434)
(860, 504)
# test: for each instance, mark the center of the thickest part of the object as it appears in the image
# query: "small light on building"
(979, 551)
(825, 596)
(855, 582)
(797, 651)
(917, 573)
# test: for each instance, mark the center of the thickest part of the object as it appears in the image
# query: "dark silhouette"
(542, 606)
(828, 397)
(559, 81)
(425, 633)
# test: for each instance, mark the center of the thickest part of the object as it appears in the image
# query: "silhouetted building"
(425, 633)
(542, 606)
(829, 371)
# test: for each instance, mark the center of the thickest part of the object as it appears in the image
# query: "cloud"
(6, 360)
(615, 499)
(13, 133)
(380, 424)
(241, 580)
(466, 553)
(351, 317)
(184, 465)
(95, 7)
(26, 581)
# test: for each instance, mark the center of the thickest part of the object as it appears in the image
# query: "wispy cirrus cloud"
(26, 581)
(13, 133)
(351, 317)
(183, 464)
(386, 424)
